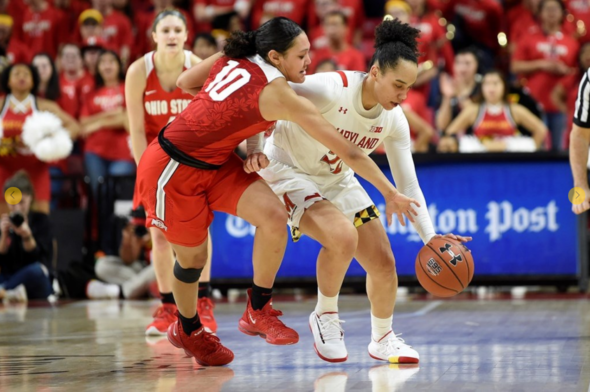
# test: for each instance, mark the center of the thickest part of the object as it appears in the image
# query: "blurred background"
(508, 191)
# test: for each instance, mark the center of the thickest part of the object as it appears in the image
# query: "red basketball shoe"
(163, 317)
(202, 345)
(205, 310)
(265, 322)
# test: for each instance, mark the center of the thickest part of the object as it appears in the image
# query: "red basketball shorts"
(180, 199)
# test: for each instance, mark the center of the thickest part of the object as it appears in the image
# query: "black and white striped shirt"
(582, 112)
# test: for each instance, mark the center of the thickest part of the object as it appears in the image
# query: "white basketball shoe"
(328, 337)
(392, 348)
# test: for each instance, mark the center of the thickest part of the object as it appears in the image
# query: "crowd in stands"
(494, 75)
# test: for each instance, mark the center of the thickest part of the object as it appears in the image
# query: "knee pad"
(187, 275)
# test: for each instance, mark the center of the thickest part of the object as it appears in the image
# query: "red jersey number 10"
(228, 81)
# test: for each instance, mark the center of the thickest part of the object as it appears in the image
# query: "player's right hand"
(584, 206)
(255, 162)
(401, 205)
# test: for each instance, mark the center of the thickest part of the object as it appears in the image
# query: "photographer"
(26, 245)
(130, 269)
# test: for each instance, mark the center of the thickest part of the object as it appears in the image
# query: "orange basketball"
(444, 267)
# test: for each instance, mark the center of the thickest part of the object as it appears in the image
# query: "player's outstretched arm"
(135, 83)
(579, 142)
(279, 102)
(195, 77)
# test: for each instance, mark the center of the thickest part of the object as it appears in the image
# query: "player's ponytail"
(277, 34)
(241, 44)
(395, 40)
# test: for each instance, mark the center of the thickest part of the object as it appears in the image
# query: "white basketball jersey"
(338, 97)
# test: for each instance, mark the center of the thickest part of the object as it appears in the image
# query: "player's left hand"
(255, 162)
(455, 237)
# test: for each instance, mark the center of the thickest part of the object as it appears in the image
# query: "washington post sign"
(518, 214)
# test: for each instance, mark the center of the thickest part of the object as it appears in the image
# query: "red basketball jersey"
(490, 123)
(160, 106)
(225, 112)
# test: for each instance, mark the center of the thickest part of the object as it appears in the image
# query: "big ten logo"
(462, 221)
(160, 107)
(502, 217)
(238, 228)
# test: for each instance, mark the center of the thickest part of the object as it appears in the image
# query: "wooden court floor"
(468, 344)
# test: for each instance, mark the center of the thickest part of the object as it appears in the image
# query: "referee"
(579, 142)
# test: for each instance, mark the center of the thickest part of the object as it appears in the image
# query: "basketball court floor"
(541, 343)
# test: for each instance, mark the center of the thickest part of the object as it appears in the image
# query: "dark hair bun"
(241, 44)
(392, 30)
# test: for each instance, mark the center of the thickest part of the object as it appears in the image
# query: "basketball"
(444, 267)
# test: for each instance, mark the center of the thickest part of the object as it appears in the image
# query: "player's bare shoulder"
(137, 69)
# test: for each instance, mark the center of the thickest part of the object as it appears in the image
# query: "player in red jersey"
(153, 100)
(20, 81)
(191, 171)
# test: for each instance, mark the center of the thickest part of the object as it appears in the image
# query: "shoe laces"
(205, 304)
(331, 328)
(394, 342)
(164, 312)
(271, 317)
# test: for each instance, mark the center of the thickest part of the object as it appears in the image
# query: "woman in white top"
(326, 202)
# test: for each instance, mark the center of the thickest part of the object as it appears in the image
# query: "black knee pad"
(187, 275)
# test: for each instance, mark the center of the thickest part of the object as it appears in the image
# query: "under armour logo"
(455, 258)
(342, 110)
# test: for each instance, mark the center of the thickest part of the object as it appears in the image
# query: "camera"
(16, 218)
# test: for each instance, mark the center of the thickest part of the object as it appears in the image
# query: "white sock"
(379, 326)
(326, 304)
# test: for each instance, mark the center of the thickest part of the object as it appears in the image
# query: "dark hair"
(168, 12)
(22, 181)
(395, 40)
(207, 37)
(479, 98)
(339, 13)
(222, 22)
(6, 76)
(98, 80)
(326, 61)
(276, 34)
(53, 90)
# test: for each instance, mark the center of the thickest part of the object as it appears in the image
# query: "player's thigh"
(175, 201)
(373, 251)
(259, 206)
(246, 195)
(326, 224)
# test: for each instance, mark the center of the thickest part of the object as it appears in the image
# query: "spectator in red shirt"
(335, 25)
(91, 49)
(542, 59)
(566, 91)
(264, 10)
(117, 31)
(104, 119)
(353, 9)
(71, 10)
(15, 50)
(205, 11)
(479, 23)
(523, 20)
(42, 28)
(433, 43)
(75, 82)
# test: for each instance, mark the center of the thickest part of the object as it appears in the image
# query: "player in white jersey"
(326, 202)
